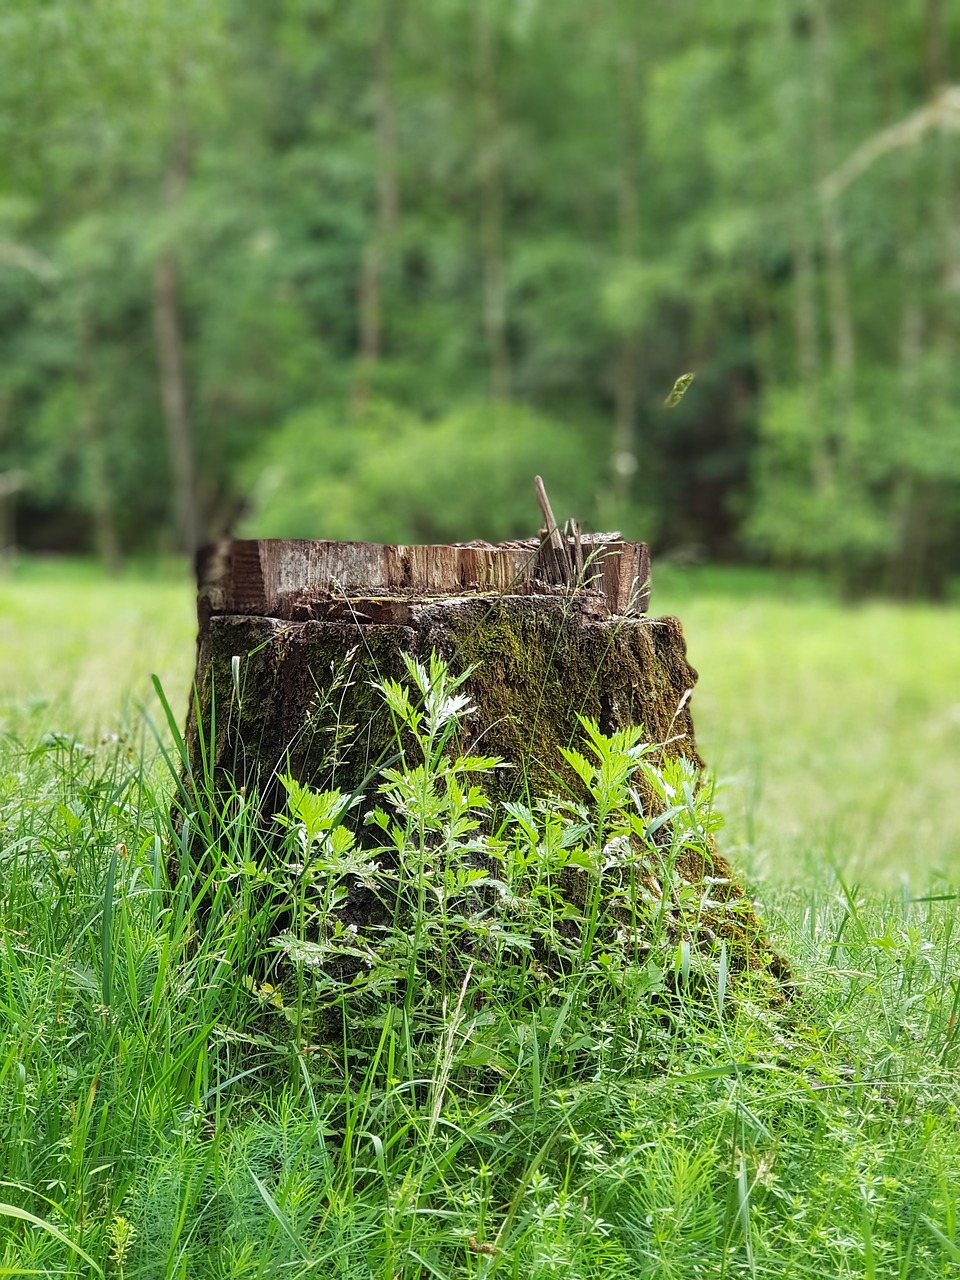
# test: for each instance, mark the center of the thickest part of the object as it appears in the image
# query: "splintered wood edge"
(284, 578)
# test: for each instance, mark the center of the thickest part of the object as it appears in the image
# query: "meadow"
(167, 1111)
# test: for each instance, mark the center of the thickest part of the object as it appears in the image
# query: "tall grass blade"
(107, 931)
(949, 1248)
(281, 1217)
(743, 1205)
(24, 1215)
(173, 723)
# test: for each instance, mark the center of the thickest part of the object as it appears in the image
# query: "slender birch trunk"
(921, 558)
(102, 501)
(840, 318)
(807, 338)
(624, 452)
(801, 220)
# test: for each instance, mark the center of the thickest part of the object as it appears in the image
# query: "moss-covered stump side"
(304, 693)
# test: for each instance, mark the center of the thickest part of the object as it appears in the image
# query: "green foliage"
(376, 202)
(846, 495)
(815, 504)
(391, 476)
(466, 898)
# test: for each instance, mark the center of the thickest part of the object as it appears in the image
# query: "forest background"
(327, 269)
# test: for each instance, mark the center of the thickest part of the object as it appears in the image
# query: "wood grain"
(300, 580)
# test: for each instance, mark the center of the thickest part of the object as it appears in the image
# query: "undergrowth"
(401, 1034)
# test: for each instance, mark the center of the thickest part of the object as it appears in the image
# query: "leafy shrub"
(392, 476)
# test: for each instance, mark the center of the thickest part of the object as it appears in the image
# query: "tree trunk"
(804, 299)
(800, 170)
(377, 250)
(806, 330)
(170, 358)
(624, 457)
(920, 564)
(285, 624)
(491, 207)
(546, 653)
(838, 294)
(102, 504)
(11, 482)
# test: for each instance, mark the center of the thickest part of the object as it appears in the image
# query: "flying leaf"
(679, 390)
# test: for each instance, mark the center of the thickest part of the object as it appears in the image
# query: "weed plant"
(484, 1078)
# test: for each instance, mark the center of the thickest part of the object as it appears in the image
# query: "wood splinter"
(554, 536)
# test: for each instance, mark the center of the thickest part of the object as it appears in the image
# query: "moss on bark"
(272, 693)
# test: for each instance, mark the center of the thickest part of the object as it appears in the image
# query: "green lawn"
(166, 1112)
(837, 729)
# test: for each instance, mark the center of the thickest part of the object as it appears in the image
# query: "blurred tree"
(857, 466)
(379, 247)
(492, 199)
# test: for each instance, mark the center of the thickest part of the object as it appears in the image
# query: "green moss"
(541, 664)
(305, 694)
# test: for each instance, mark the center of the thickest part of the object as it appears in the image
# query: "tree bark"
(168, 330)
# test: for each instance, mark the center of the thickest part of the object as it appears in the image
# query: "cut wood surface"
(298, 580)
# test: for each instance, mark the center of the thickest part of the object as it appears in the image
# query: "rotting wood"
(299, 581)
(556, 548)
(279, 619)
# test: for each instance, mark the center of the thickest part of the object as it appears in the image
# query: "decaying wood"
(297, 581)
(556, 548)
(282, 622)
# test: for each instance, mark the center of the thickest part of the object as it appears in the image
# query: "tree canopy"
(359, 269)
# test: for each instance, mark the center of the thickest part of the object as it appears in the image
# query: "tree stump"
(295, 637)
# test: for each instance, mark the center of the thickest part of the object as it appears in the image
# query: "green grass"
(168, 1113)
(836, 728)
(77, 650)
